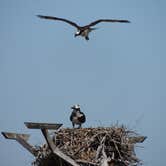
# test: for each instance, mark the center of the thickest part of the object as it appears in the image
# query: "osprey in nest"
(77, 117)
(83, 30)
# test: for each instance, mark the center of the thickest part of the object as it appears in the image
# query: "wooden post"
(22, 139)
(48, 139)
(44, 129)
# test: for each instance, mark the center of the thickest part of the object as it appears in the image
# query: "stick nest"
(94, 146)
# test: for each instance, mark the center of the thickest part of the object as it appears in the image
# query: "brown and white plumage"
(83, 30)
(77, 117)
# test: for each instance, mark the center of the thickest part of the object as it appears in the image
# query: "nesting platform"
(101, 146)
(94, 146)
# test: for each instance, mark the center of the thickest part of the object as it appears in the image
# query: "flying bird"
(77, 117)
(83, 30)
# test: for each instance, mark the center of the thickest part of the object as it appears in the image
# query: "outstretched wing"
(107, 20)
(59, 19)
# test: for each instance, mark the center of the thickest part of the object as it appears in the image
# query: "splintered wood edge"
(51, 126)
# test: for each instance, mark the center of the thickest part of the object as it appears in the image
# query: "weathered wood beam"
(9, 135)
(22, 139)
(27, 146)
(44, 128)
(48, 139)
(55, 150)
(64, 157)
(50, 126)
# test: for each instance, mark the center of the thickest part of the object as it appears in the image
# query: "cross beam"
(44, 129)
(22, 139)
(50, 126)
(9, 135)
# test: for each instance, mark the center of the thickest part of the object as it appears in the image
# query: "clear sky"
(118, 75)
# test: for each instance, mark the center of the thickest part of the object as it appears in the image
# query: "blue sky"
(118, 75)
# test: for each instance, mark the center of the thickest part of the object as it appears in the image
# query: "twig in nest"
(117, 149)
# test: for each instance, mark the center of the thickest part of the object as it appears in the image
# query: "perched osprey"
(83, 30)
(77, 117)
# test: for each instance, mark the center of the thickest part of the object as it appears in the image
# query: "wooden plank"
(27, 146)
(55, 150)
(9, 135)
(50, 126)
(63, 156)
(22, 139)
(50, 143)
(44, 128)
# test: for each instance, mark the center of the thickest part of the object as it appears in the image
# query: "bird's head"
(77, 34)
(75, 107)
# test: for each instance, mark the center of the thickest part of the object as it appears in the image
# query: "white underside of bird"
(85, 33)
(76, 118)
(76, 121)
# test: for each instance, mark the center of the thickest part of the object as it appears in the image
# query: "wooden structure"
(111, 146)
(44, 127)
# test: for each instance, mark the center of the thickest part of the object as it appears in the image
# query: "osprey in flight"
(83, 30)
(77, 117)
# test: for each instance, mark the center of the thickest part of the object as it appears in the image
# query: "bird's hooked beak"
(77, 34)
